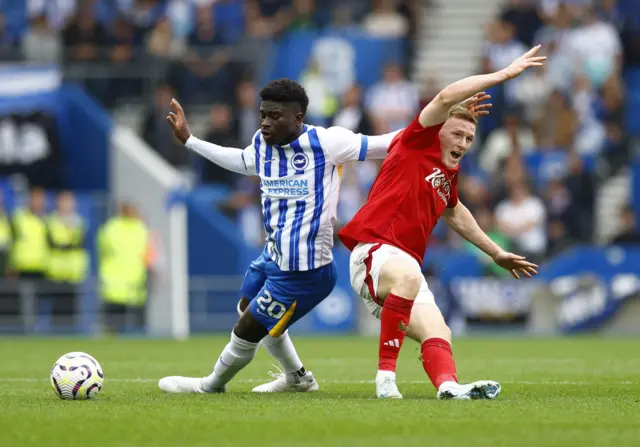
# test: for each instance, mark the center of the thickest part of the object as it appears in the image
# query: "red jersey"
(409, 195)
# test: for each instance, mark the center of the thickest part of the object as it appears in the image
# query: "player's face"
(456, 137)
(279, 122)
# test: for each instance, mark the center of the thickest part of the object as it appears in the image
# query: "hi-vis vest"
(122, 248)
(5, 232)
(68, 260)
(30, 248)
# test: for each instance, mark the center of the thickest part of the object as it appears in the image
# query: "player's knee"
(407, 285)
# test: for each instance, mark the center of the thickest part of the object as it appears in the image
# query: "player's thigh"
(253, 282)
(426, 319)
(399, 274)
(286, 298)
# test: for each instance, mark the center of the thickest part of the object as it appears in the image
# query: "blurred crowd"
(209, 52)
(574, 109)
(201, 48)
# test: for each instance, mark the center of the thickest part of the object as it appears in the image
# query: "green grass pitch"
(556, 392)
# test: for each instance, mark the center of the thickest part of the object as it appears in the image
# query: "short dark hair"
(286, 90)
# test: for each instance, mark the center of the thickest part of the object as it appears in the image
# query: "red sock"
(394, 321)
(437, 361)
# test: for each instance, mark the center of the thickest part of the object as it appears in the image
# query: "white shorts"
(364, 269)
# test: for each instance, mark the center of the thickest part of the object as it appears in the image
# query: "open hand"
(528, 59)
(178, 122)
(473, 104)
(515, 264)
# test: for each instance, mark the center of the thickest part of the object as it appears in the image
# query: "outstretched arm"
(437, 110)
(462, 221)
(229, 158)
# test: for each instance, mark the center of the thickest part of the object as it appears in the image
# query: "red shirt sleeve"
(417, 137)
(453, 198)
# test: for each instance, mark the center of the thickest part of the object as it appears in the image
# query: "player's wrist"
(189, 139)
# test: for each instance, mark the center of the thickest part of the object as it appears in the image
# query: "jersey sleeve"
(417, 137)
(343, 145)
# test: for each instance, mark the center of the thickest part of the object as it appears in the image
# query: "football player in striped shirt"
(299, 170)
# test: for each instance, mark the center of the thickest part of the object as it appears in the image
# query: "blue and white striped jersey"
(300, 185)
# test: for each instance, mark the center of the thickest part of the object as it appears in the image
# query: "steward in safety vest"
(68, 260)
(123, 249)
(30, 250)
(6, 238)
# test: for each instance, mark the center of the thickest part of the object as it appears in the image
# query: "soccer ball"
(76, 376)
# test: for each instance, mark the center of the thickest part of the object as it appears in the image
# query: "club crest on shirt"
(440, 183)
(300, 161)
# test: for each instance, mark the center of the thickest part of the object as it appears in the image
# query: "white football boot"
(386, 387)
(483, 389)
(288, 383)
(179, 384)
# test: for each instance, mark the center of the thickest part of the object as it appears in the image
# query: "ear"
(299, 118)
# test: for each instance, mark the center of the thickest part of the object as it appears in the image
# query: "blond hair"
(461, 112)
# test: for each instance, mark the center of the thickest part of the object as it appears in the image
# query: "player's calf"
(398, 286)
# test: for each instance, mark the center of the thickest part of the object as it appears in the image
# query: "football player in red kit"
(388, 236)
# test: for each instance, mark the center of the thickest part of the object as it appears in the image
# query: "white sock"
(236, 355)
(282, 349)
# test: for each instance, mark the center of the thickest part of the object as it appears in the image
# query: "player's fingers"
(483, 106)
(532, 270)
(172, 123)
(175, 105)
(526, 272)
(533, 51)
(515, 274)
(527, 264)
(173, 116)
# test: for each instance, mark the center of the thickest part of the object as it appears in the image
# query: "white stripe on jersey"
(300, 186)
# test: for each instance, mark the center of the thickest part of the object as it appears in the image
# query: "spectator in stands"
(207, 77)
(595, 47)
(591, 134)
(68, 260)
(342, 20)
(351, 114)
(221, 131)
(384, 21)
(513, 137)
(522, 217)
(629, 234)
(302, 16)
(580, 184)
(56, 12)
(531, 93)
(486, 221)
(502, 47)
(474, 192)
(523, 15)
(559, 239)
(392, 102)
(157, 133)
(248, 114)
(41, 42)
(122, 50)
(556, 125)
(558, 202)
(616, 152)
(84, 39)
